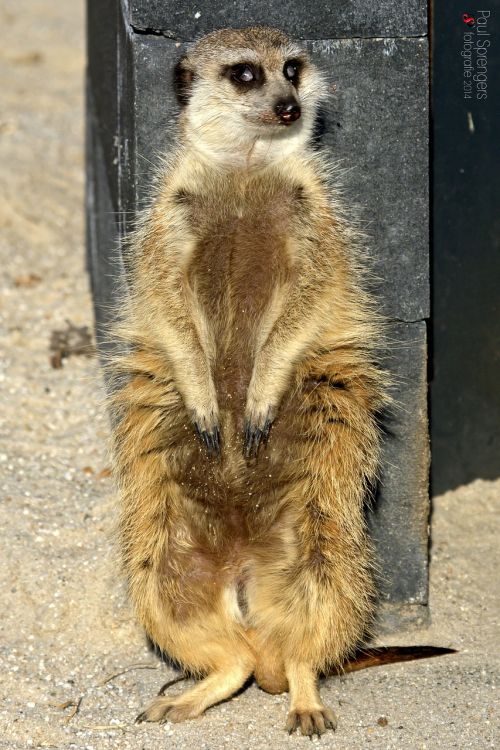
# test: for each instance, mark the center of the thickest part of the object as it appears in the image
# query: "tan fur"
(247, 305)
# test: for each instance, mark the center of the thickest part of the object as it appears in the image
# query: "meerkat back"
(245, 437)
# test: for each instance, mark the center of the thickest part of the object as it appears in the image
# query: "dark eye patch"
(244, 75)
(291, 71)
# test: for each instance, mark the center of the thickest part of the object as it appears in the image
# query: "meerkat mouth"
(270, 121)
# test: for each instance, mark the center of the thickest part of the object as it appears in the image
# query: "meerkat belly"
(237, 269)
(239, 264)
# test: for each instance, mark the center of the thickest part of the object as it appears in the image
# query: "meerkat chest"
(242, 252)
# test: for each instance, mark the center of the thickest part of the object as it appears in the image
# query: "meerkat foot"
(192, 703)
(307, 711)
(164, 709)
(313, 721)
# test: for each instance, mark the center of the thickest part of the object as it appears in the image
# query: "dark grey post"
(376, 55)
(465, 393)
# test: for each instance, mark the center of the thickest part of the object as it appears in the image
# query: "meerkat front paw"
(258, 423)
(209, 438)
(208, 430)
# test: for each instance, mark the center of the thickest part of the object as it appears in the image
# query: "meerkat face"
(248, 94)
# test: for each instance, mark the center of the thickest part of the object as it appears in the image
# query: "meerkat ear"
(183, 80)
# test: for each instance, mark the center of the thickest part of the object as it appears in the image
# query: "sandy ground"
(66, 628)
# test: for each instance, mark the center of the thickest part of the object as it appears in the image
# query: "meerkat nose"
(288, 110)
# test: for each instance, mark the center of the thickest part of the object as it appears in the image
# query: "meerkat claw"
(209, 438)
(253, 437)
(248, 440)
(266, 430)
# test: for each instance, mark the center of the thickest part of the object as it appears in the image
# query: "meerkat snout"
(288, 110)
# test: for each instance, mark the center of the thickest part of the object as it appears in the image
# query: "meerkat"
(245, 435)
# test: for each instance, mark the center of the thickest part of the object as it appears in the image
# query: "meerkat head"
(247, 95)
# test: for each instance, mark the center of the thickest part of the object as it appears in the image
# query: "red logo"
(469, 20)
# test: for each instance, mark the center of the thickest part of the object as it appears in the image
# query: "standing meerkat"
(245, 412)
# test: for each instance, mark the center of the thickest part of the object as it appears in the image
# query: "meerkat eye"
(291, 70)
(244, 76)
(243, 73)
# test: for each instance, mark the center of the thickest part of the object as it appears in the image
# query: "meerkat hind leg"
(216, 687)
(307, 712)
